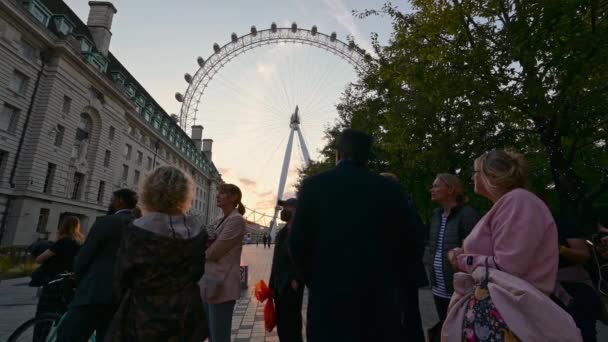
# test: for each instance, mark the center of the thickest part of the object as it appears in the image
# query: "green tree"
(461, 77)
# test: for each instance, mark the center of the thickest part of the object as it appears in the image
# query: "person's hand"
(294, 285)
(453, 257)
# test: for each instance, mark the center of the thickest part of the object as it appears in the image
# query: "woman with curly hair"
(159, 264)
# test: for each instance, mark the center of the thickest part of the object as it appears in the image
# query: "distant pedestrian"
(450, 225)
(264, 240)
(509, 255)
(286, 281)
(159, 263)
(269, 240)
(220, 285)
(354, 240)
(95, 302)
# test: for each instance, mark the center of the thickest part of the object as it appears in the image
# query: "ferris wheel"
(286, 81)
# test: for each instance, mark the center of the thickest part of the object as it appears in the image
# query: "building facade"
(75, 125)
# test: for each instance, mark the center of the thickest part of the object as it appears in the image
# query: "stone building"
(75, 125)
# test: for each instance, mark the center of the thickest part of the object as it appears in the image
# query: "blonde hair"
(454, 183)
(167, 190)
(234, 190)
(502, 171)
(70, 227)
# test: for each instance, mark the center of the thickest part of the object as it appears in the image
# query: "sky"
(247, 106)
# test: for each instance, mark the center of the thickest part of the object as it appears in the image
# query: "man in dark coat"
(94, 302)
(285, 281)
(354, 240)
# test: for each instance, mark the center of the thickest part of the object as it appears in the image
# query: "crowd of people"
(353, 239)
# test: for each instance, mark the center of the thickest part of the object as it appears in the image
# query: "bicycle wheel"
(36, 329)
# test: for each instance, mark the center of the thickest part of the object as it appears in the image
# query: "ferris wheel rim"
(351, 53)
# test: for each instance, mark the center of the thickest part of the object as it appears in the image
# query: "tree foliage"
(460, 77)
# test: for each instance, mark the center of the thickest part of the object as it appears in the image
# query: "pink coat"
(517, 236)
(529, 313)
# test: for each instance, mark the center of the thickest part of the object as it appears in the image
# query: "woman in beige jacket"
(220, 285)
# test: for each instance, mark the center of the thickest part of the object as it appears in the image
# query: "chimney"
(196, 136)
(207, 145)
(100, 23)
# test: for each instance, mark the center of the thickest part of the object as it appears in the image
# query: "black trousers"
(81, 321)
(289, 314)
(441, 305)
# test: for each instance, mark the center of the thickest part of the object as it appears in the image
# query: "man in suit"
(94, 302)
(354, 240)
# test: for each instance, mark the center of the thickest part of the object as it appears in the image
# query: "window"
(67, 104)
(111, 133)
(43, 219)
(125, 172)
(100, 191)
(8, 117)
(140, 157)
(149, 167)
(26, 50)
(106, 158)
(3, 160)
(59, 135)
(136, 177)
(77, 184)
(81, 141)
(127, 152)
(18, 82)
(85, 46)
(63, 25)
(48, 180)
(41, 14)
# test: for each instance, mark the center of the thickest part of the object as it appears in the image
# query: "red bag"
(270, 316)
(262, 293)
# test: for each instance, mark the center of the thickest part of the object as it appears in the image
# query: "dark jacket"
(158, 277)
(354, 239)
(461, 221)
(283, 270)
(94, 264)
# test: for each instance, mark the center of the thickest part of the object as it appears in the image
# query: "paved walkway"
(18, 303)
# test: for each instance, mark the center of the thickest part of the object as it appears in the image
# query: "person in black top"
(285, 281)
(575, 291)
(94, 302)
(57, 259)
(354, 241)
(264, 239)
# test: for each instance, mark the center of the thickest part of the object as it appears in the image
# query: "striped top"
(440, 289)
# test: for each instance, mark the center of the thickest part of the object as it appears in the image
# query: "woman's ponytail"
(241, 208)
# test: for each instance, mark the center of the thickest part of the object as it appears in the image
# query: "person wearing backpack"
(452, 222)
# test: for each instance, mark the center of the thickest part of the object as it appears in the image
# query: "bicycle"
(43, 327)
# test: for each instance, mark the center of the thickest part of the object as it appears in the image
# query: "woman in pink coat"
(517, 237)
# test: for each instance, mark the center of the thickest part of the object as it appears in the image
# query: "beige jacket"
(221, 281)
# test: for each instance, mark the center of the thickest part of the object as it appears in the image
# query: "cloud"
(345, 18)
(247, 183)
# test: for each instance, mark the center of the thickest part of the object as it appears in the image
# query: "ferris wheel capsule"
(200, 61)
(216, 48)
(313, 31)
(333, 37)
(294, 27)
(179, 97)
(351, 45)
(273, 27)
(254, 31)
(234, 37)
(188, 78)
